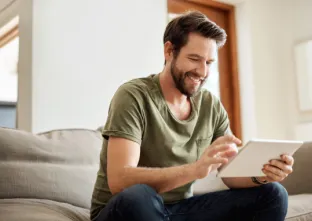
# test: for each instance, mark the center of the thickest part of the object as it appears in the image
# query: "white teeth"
(194, 79)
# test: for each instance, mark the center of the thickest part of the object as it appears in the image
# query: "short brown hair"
(178, 29)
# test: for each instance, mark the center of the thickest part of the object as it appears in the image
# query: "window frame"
(8, 36)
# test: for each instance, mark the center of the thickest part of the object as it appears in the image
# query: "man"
(164, 131)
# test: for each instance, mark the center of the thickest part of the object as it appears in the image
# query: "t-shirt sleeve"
(125, 117)
(222, 122)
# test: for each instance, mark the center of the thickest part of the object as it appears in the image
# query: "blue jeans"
(141, 203)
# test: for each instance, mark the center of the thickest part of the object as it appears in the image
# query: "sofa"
(50, 176)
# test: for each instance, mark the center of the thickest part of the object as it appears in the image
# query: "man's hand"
(217, 154)
(278, 170)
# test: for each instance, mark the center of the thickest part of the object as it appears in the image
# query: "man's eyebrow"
(196, 55)
(201, 57)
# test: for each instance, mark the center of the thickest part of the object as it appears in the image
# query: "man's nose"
(203, 70)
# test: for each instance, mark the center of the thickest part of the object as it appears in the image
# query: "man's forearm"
(161, 179)
(239, 182)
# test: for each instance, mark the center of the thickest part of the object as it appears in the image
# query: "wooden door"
(223, 15)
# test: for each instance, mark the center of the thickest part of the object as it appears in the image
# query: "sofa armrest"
(300, 181)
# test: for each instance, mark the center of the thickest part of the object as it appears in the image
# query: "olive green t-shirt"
(139, 112)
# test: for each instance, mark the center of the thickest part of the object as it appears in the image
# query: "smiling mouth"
(194, 77)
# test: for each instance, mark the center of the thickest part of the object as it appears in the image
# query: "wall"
(268, 41)
(301, 15)
(72, 63)
(262, 97)
(246, 77)
(267, 31)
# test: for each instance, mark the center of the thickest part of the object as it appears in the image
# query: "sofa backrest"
(300, 181)
(58, 165)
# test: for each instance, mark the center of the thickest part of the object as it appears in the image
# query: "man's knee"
(275, 193)
(139, 195)
(277, 190)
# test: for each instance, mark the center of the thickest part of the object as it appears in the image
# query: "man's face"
(191, 67)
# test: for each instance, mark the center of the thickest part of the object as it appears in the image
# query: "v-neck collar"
(165, 104)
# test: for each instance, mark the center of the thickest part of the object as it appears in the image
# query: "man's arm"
(239, 182)
(122, 171)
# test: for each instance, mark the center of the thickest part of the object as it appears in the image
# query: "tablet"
(250, 159)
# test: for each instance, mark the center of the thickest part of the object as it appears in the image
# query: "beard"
(179, 78)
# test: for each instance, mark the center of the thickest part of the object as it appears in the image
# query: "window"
(9, 43)
(9, 49)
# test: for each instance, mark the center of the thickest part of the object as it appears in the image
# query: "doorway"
(223, 81)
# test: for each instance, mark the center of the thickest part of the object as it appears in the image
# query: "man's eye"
(194, 59)
(208, 62)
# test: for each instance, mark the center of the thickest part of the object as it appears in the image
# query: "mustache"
(195, 75)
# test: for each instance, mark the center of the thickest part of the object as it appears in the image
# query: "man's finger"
(288, 159)
(275, 170)
(229, 153)
(216, 149)
(281, 165)
(272, 176)
(229, 138)
(219, 160)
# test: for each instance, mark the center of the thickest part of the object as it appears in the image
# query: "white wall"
(78, 59)
(246, 77)
(262, 105)
(269, 36)
(301, 16)
(267, 31)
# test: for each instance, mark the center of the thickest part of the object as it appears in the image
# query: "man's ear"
(168, 51)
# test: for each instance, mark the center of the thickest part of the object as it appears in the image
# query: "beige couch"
(50, 176)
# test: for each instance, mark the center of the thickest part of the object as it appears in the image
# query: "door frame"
(232, 81)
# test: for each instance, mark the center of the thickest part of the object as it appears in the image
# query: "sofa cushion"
(300, 207)
(59, 165)
(40, 210)
(300, 181)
